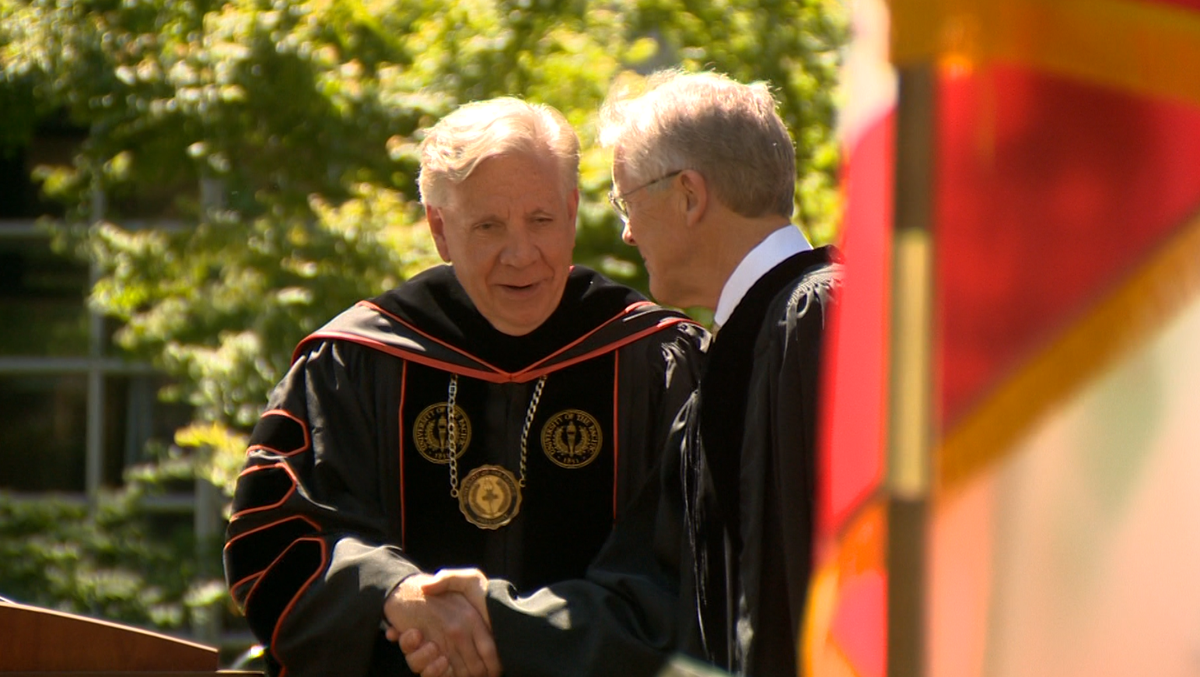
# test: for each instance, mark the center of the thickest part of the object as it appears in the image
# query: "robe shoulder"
(428, 320)
(814, 289)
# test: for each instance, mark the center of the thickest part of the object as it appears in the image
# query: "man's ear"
(437, 228)
(695, 192)
(573, 206)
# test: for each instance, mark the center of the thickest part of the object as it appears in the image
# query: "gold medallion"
(572, 438)
(431, 433)
(489, 497)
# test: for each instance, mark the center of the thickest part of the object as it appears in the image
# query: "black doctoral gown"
(347, 484)
(714, 560)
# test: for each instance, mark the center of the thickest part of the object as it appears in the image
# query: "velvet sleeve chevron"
(306, 552)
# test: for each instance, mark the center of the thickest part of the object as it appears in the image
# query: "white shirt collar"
(778, 246)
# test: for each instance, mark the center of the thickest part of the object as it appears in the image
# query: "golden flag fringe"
(1125, 320)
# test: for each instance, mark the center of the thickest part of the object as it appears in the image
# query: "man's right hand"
(423, 657)
(449, 621)
(470, 583)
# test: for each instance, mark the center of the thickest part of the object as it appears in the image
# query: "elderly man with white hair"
(499, 412)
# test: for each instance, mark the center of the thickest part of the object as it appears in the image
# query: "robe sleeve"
(658, 374)
(306, 556)
(627, 616)
(623, 618)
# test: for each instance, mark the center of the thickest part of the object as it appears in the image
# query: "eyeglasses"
(620, 203)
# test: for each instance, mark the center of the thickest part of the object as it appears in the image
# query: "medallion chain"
(452, 430)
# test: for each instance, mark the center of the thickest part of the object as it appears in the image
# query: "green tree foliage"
(280, 138)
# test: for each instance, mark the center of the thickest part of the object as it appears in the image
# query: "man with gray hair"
(704, 174)
(499, 412)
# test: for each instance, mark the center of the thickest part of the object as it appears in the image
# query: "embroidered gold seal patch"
(572, 438)
(431, 433)
(490, 497)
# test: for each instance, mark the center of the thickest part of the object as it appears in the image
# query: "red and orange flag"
(1045, 157)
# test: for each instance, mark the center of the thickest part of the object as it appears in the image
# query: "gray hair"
(727, 131)
(455, 146)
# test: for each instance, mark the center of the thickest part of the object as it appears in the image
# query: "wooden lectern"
(36, 641)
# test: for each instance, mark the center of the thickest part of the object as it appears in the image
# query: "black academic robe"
(714, 560)
(752, 475)
(347, 484)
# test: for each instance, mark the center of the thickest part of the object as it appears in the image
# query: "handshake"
(441, 624)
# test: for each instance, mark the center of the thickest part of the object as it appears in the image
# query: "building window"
(43, 432)
(41, 296)
(73, 413)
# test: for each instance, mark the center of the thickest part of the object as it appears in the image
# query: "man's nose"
(627, 235)
(519, 249)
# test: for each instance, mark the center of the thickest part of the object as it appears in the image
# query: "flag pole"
(910, 420)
